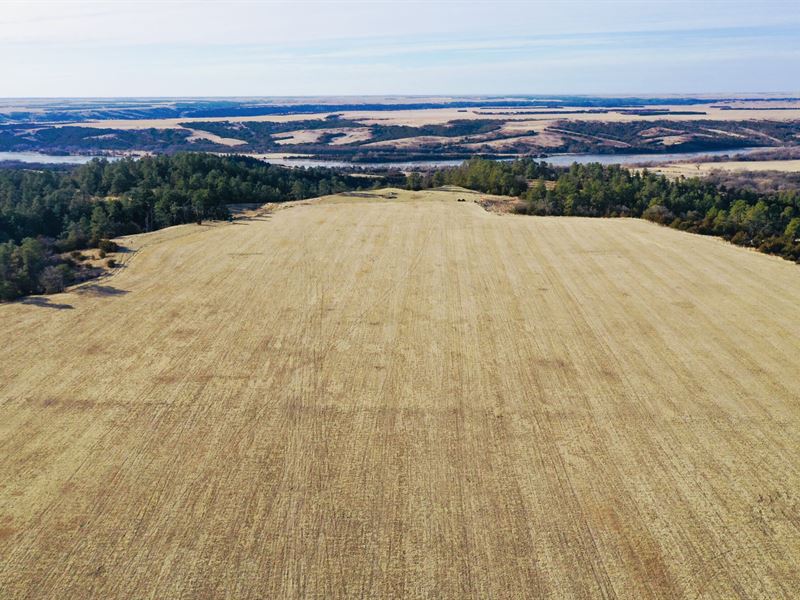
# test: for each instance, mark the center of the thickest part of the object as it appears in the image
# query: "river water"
(564, 160)
(47, 159)
(557, 159)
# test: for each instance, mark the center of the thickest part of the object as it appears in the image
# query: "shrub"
(659, 214)
(792, 252)
(8, 290)
(111, 263)
(108, 246)
(773, 245)
(54, 278)
(740, 239)
(102, 254)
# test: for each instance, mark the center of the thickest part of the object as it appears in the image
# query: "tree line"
(503, 178)
(46, 213)
(768, 221)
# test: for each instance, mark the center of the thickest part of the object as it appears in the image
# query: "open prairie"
(689, 169)
(398, 394)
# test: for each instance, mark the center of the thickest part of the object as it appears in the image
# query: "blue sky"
(241, 48)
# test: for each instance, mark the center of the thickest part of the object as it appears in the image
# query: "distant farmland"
(737, 166)
(396, 393)
(368, 131)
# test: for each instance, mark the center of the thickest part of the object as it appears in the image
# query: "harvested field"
(351, 135)
(301, 136)
(416, 141)
(198, 134)
(743, 111)
(175, 123)
(397, 394)
(736, 166)
(348, 135)
(510, 143)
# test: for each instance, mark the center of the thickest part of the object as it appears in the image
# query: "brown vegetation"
(396, 394)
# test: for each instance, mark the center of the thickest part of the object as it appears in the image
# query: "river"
(557, 159)
(48, 159)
